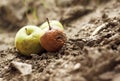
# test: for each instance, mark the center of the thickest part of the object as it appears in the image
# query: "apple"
(53, 38)
(27, 40)
(54, 24)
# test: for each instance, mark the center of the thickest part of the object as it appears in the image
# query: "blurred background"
(17, 13)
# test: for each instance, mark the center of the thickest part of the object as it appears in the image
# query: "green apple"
(27, 40)
(54, 24)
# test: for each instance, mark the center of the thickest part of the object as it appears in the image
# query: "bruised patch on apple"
(60, 36)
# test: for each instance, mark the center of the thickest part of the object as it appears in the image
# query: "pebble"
(23, 68)
(1, 79)
(116, 78)
(77, 66)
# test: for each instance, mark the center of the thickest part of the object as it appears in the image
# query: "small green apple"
(54, 24)
(27, 40)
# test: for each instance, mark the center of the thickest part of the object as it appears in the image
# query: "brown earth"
(91, 52)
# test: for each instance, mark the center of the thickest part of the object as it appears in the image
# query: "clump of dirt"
(91, 52)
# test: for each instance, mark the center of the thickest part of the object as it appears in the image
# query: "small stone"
(107, 76)
(23, 68)
(1, 79)
(116, 78)
(77, 66)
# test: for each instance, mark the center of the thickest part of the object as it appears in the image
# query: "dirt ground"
(92, 50)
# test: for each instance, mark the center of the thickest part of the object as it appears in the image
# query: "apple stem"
(26, 31)
(49, 24)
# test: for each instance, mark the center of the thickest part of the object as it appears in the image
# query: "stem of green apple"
(27, 31)
(48, 23)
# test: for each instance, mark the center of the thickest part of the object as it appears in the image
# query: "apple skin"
(27, 40)
(54, 24)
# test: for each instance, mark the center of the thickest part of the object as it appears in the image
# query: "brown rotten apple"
(53, 39)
